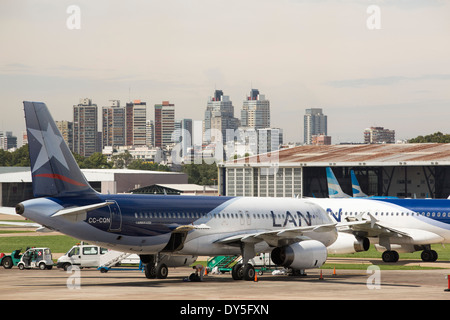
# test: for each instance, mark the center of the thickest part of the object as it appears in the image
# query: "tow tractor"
(36, 258)
(8, 261)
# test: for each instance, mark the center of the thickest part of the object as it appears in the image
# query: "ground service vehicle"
(8, 261)
(81, 255)
(36, 258)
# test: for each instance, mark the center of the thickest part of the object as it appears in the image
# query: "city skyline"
(301, 54)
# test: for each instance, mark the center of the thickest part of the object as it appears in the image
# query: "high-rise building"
(183, 135)
(85, 123)
(164, 123)
(379, 135)
(7, 140)
(113, 120)
(66, 129)
(219, 115)
(315, 122)
(150, 133)
(135, 123)
(255, 111)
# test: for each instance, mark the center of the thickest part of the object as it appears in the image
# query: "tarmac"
(365, 284)
(90, 284)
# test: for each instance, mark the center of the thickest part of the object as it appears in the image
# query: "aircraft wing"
(370, 228)
(276, 237)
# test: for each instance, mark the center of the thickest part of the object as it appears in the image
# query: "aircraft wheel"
(390, 256)
(435, 255)
(162, 271)
(429, 255)
(150, 271)
(237, 272)
(249, 272)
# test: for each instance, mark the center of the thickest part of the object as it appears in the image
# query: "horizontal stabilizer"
(8, 210)
(79, 213)
(20, 224)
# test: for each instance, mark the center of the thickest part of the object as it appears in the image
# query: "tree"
(96, 161)
(147, 165)
(122, 160)
(437, 137)
(17, 158)
(202, 174)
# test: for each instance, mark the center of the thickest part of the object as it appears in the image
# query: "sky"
(388, 66)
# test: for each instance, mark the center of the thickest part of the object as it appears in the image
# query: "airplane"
(334, 188)
(392, 224)
(295, 231)
(356, 189)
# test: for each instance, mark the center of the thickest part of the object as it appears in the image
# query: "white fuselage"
(426, 220)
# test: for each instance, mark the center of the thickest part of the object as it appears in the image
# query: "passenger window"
(90, 250)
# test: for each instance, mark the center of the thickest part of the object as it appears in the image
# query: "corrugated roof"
(366, 154)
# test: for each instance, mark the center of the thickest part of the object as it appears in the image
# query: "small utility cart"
(36, 258)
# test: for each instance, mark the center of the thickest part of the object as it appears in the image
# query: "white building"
(255, 111)
(315, 123)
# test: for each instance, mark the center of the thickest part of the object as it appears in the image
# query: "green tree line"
(438, 137)
(203, 174)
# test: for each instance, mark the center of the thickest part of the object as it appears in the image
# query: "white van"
(81, 255)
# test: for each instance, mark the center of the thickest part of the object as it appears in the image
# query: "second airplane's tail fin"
(54, 170)
(334, 189)
(357, 192)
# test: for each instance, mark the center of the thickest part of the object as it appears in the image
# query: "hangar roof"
(419, 154)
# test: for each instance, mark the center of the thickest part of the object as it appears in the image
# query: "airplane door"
(241, 217)
(247, 215)
(116, 217)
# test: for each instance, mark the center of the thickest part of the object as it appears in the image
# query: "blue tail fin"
(54, 170)
(357, 192)
(334, 189)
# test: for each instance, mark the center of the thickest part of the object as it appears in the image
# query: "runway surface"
(132, 285)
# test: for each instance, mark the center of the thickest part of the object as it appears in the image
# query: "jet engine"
(305, 254)
(349, 243)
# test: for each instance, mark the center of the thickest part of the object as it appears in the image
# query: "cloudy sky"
(299, 53)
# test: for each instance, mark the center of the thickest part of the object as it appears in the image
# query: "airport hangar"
(401, 170)
(15, 182)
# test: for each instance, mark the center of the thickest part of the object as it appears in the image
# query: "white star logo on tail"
(50, 147)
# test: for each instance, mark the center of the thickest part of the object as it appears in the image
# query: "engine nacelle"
(348, 243)
(300, 255)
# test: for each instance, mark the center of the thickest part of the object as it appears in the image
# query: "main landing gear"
(245, 271)
(427, 256)
(153, 269)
